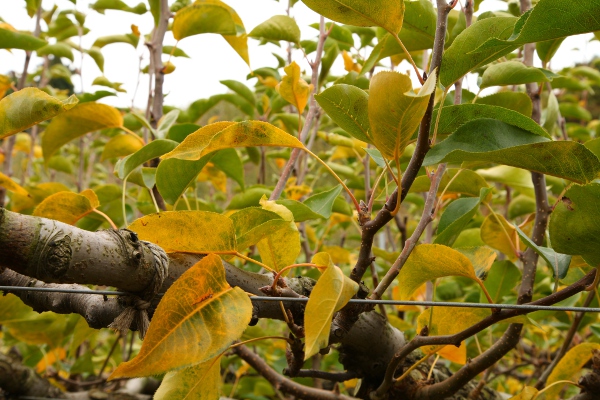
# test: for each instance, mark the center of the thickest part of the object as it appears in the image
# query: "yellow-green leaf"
(187, 231)
(11, 185)
(568, 366)
(481, 258)
(27, 107)
(528, 393)
(293, 88)
(224, 135)
(428, 262)
(501, 235)
(330, 294)
(395, 111)
(387, 14)
(67, 207)
(202, 381)
(279, 248)
(120, 146)
(203, 17)
(85, 118)
(196, 320)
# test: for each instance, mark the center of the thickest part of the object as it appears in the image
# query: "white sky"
(211, 59)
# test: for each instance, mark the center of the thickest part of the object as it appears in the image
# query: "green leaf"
(11, 39)
(322, 203)
(549, 19)
(330, 294)
(457, 216)
(453, 117)
(278, 27)
(254, 223)
(516, 101)
(300, 210)
(152, 150)
(203, 17)
(467, 182)
(575, 223)
(428, 262)
(242, 90)
(96, 54)
(176, 51)
(547, 49)
(347, 106)
(128, 38)
(27, 107)
(181, 131)
(395, 111)
(387, 14)
(228, 161)
(494, 141)
(501, 280)
(513, 73)
(458, 59)
(59, 49)
(173, 176)
(559, 263)
(574, 111)
(103, 5)
(165, 123)
(224, 135)
(250, 198)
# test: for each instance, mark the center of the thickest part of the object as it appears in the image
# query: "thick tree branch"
(17, 379)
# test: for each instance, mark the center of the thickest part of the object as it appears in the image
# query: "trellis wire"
(529, 307)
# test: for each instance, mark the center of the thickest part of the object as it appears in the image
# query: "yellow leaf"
(418, 295)
(528, 393)
(569, 366)
(22, 143)
(448, 321)
(202, 381)
(187, 231)
(11, 185)
(215, 176)
(5, 84)
(481, 258)
(496, 231)
(269, 81)
(225, 135)
(27, 107)
(330, 294)
(196, 320)
(428, 262)
(455, 354)
(338, 254)
(85, 118)
(278, 209)
(67, 207)
(50, 358)
(395, 111)
(168, 67)
(349, 64)
(293, 88)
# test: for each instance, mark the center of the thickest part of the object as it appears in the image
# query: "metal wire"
(529, 307)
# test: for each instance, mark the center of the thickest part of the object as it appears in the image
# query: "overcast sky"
(211, 59)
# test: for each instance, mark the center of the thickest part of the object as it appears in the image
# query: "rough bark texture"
(17, 379)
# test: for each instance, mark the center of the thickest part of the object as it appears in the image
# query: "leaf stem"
(107, 218)
(337, 178)
(410, 59)
(243, 257)
(487, 294)
(123, 200)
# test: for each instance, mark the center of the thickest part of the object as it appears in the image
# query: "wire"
(530, 307)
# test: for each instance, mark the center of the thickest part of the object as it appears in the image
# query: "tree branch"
(282, 383)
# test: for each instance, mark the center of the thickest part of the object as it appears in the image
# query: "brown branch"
(328, 376)
(17, 379)
(310, 116)
(282, 383)
(488, 358)
(426, 219)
